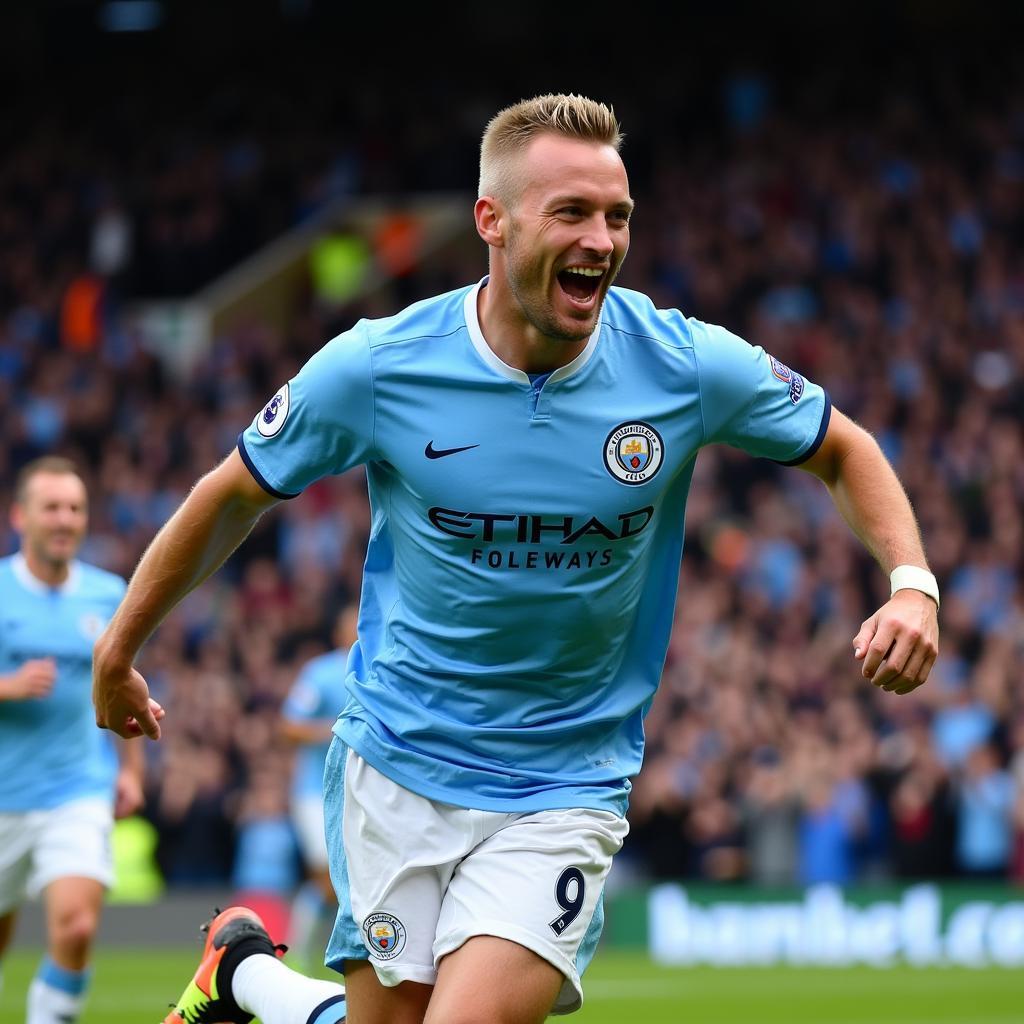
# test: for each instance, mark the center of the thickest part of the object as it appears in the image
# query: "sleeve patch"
(782, 372)
(271, 419)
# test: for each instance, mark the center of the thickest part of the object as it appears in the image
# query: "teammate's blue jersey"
(50, 749)
(319, 693)
(524, 552)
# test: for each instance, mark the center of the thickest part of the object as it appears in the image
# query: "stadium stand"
(878, 249)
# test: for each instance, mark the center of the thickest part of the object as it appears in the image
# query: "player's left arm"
(128, 789)
(303, 732)
(899, 643)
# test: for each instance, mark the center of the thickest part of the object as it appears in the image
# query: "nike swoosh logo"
(439, 453)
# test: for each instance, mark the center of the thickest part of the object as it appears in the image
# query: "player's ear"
(489, 215)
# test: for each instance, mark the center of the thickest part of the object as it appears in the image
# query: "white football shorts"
(308, 821)
(416, 879)
(70, 841)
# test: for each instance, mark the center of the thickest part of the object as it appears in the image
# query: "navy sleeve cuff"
(257, 475)
(826, 415)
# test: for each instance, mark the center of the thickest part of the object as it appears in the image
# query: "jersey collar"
(23, 574)
(488, 355)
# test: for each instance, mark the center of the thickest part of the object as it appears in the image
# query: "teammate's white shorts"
(308, 819)
(416, 879)
(70, 841)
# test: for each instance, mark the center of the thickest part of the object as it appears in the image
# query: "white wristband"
(912, 577)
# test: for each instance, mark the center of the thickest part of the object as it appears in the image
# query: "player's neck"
(513, 339)
(53, 574)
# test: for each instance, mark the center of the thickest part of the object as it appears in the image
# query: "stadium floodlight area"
(268, 286)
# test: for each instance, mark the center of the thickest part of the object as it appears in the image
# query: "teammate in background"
(60, 785)
(308, 717)
(528, 442)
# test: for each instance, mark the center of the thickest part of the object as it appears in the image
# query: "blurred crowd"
(881, 255)
(885, 261)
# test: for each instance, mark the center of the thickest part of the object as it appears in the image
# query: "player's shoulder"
(326, 665)
(633, 314)
(12, 585)
(100, 583)
(436, 317)
(323, 674)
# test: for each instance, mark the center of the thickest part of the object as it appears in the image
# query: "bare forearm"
(899, 643)
(305, 732)
(132, 758)
(868, 494)
(193, 544)
(871, 499)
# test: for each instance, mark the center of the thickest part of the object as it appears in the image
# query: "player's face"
(568, 233)
(53, 516)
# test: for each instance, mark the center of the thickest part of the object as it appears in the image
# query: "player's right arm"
(320, 423)
(213, 520)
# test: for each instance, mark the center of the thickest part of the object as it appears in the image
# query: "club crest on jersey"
(385, 936)
(782, 372)
(633, 452)
(272, 418)
(91, 625)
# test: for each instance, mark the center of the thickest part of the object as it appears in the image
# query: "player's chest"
(561, 447)
(52, 626)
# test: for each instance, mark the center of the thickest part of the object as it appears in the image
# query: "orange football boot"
(231, 936)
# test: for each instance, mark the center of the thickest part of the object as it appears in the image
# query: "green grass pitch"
(625, 988)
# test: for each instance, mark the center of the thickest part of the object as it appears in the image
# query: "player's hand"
(122, 702)
(33, 681)
(128, 794)
(899, 643)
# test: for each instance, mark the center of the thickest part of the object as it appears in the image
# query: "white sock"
(49, 1005)
(264, 986)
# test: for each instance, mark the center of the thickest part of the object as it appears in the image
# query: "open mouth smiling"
(580, 284)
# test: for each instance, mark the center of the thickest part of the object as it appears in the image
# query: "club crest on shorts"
(385, 936)
(272, 418)
(633, 452)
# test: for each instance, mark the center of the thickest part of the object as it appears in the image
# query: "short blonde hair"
(511, 130)
(55, 464)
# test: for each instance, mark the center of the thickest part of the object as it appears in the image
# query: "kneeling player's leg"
(268, 989)
(494, 980)
(375, 1003)
(239, 977)
(391, 853)
(536, 883)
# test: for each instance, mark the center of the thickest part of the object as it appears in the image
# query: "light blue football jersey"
(319, 693)
(50, 749)
(524, 553)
